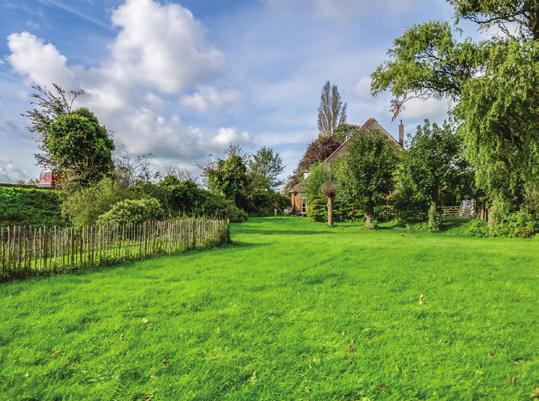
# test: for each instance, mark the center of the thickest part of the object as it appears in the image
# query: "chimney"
(401, 134)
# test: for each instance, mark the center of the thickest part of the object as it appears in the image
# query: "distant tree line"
(102, 187)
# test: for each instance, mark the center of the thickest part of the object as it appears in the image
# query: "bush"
(84, 206)
(317, 209)
(133, 211)
(521, 224)
(23, 206)
(263, 202)
(477, 228)
(180, 198)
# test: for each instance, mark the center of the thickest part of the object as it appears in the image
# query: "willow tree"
(493, 88)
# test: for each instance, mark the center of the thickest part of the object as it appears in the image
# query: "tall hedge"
(24, 206)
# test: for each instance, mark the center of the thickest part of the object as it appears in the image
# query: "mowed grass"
(293, 311)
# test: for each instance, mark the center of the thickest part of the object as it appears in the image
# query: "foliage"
(229, 178)
(263, 202)
(133, 211)
(134, 171)
(499, 111)
(37, 207)
(79, 147)
(294, 311)
(477, 228)
(524, 14)
(317, 209)
(521, 224)
(180, 198)
(493, 85)
(430, 168)
(332, 111)
(317, 151)
(320, 190)
(365, 174)
(345, 131)
(83, 206)
(48, 105)
(267, 165)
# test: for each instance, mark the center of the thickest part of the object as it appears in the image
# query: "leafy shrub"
(84, 206)
(317, 209)
(23, 206)
(477, 228)
(133, 211)
(187, 198)
(521, 224)
(263, 202)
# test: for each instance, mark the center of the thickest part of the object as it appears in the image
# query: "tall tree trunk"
(330, 211)
(433, 216)
(369, 220)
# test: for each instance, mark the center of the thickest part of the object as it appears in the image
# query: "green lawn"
(293, 311)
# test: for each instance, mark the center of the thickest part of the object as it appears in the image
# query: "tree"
(320, 183)
(134, 170)
(229, 177)
(345, 131)
(522, 14)
(84, 205)
(430, 166)
(332, 111)
(48, 104)
(493, 86)
(365, 174)
(267, 165)
(317, 151)
(79, 147)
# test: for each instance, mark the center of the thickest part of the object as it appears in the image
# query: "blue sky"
(182, 79)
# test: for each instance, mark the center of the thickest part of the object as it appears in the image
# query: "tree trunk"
(369, 220)
(433, 216)
(330, 211)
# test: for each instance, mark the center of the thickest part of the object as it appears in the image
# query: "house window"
(303, 206)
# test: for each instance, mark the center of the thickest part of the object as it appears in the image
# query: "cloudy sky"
(181, 79)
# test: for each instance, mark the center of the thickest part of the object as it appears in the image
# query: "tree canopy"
(493, 87)
(365, 174)
(430, 166)
(267, 165)
(79, 147)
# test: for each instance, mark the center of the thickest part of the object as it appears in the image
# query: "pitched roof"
(370, 125)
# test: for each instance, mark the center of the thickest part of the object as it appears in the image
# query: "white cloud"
(159, 50)
(9, 173)
(162, 46)
(362, 88)
(226, 136)
(210, 99)
(39, 61)
(418, 110)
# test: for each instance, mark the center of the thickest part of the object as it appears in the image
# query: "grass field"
(293, 311)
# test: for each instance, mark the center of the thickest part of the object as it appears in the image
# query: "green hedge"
(24, 206)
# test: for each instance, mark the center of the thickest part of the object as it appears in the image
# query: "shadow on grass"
(245, 230)
(243, 244)
(450, 223)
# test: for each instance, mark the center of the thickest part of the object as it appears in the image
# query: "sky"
(181, 79)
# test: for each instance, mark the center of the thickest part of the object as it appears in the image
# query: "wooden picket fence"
(30, 251)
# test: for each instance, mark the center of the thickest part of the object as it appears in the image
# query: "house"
(298, 201)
